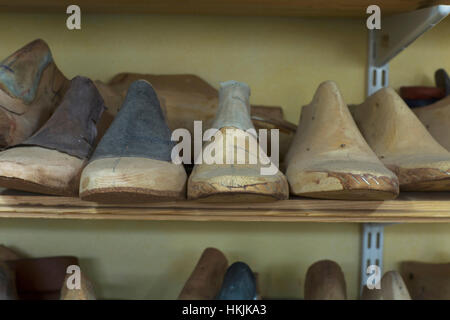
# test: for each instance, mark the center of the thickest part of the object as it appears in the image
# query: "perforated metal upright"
(396, 33)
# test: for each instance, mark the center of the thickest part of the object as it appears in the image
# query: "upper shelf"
(409, 207)
(223, 7)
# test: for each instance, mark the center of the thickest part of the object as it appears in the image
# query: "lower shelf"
(409, 207)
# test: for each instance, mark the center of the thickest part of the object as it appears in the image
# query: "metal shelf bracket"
(372, 249)
(396, 33)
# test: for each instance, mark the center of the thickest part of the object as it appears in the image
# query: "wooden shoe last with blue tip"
(132, 162)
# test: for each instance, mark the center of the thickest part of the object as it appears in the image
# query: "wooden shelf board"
(222, 7)
(410, 207)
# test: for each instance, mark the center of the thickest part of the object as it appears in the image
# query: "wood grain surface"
(409, 207)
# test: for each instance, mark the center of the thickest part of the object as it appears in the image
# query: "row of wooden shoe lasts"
(112, 142)
(53, 278)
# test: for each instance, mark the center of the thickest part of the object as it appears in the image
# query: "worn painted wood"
(51, 160)
(31, 86)
(132, 162)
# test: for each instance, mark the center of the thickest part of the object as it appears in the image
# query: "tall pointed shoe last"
(31, 86)
(239, 283)
(133, 162)
(330, 159)
(402, 143)
(51, 160)
(235, 172)
(392, 287)
(187, 97)
(436, 118)
(206, 279)
(427, 281)
(325, 281)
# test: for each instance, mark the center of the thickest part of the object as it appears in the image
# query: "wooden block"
(325, 281)
(436, 118)
(392, 287)
(403, 143)
(206, 279)
(329, 158)
(85, 292)
(427, 281)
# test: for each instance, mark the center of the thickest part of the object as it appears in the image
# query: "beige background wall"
(283, 60)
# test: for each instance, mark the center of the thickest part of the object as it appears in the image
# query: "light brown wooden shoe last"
(402, 142)
(206, 279)
(436, 118)
(427, 281)
(325, 281)
(85, 292)
(227, 179)
(392, 288)
(330, 159)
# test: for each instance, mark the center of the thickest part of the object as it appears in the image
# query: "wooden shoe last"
(31, 87)
(330, 159)
(51, 160)
(403, 143)
(133, 162)
(206, 279)
(325, 281)
(225, 179)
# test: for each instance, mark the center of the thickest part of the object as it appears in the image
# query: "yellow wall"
(283, 60)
